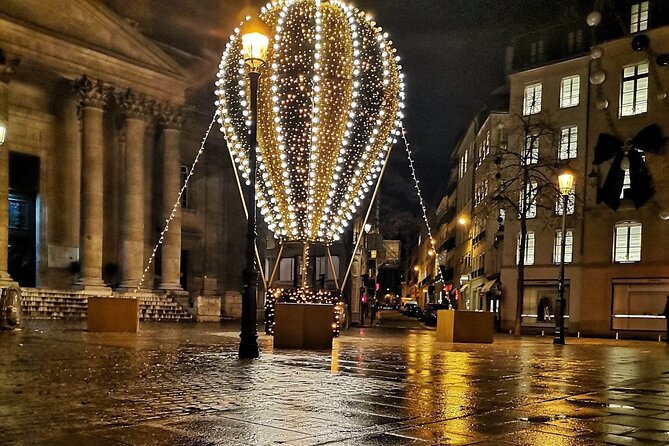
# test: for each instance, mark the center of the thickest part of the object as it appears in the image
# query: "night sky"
(452, 53)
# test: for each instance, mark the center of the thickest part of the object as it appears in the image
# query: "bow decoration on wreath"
(628, 156)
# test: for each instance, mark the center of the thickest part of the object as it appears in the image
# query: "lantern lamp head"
(255, 41)
(566, 182)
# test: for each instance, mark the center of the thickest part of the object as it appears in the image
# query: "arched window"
(627, 242)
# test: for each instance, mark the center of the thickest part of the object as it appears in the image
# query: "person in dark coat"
(665, 313)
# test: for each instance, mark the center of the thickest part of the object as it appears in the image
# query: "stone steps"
(68, 304)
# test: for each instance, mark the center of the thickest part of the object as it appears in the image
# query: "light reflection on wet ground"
(183, 385)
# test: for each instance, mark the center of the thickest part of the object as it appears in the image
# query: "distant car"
(429, 314)
(411, 309)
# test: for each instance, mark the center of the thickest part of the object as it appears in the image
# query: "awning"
(488, 285)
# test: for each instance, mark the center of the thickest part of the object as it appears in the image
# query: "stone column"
(171, 119)
(135, 108)
(6, 70)
(93, 96)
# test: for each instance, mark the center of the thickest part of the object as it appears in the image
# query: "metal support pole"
(334, 272)
(559, 314)
(276, 266)
(248, 346)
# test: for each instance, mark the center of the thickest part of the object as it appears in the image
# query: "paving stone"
(182, 384)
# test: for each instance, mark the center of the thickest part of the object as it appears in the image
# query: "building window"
(627, 184)
(531, 192)
(464, 160)
(537, 53)
(569, 91)
(568, 143)
(571, 201)
(530, 153)
(627, 242)
(575, 41)
(532, 99)
(529, 248)
(568, 248)
(480, 192)
(639, 17)
(323, 267)
(486, 151)
(634, 90)
(286, 269)
(185, 197)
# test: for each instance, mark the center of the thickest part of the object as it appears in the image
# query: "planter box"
(113, 314)
(465, 326)
(307, 326)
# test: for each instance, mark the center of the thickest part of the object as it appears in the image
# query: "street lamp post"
(254, 41)
(566, 185)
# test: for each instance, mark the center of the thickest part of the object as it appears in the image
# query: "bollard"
(542, 332)
(510, 331)
(616, 336)
(659, 338)
(578, 334)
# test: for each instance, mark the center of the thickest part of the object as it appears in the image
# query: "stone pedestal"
(207, 308)
(113, 314)
(231, 305)
(304, 326)
(465, 326)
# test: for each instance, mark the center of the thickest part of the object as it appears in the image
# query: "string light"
(173, 214)
(329, 109)
(303, 295)
(418, 191)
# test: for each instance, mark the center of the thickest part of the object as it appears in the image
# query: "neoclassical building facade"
(103, 127)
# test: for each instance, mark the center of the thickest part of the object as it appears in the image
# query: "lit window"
(486, 152)
(639, 17)
(627, 183)
(568, 248)
(480, 192)
(529, 248)
(532, 99)
(185, 197)
(571, 201)
(530, 153)
(569, 91)
(531, 192)
(568, 143)
(627, 242)
(634, 90)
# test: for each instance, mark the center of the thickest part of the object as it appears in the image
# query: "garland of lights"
(169, 219)
(418, 191)
(303, 295)
(330, 103)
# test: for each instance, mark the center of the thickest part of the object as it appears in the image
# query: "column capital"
(92, 93)
(134, 105)
(170, 116)
(7, 65)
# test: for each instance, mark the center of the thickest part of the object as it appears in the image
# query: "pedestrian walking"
(665, 313)
(374, 309)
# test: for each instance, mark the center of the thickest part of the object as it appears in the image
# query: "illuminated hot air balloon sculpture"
(329, 110)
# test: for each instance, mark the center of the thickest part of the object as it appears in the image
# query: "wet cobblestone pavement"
(183, 385)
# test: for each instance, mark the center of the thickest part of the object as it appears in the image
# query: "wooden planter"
(305, 326)
(113, 314)
(465, 326)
